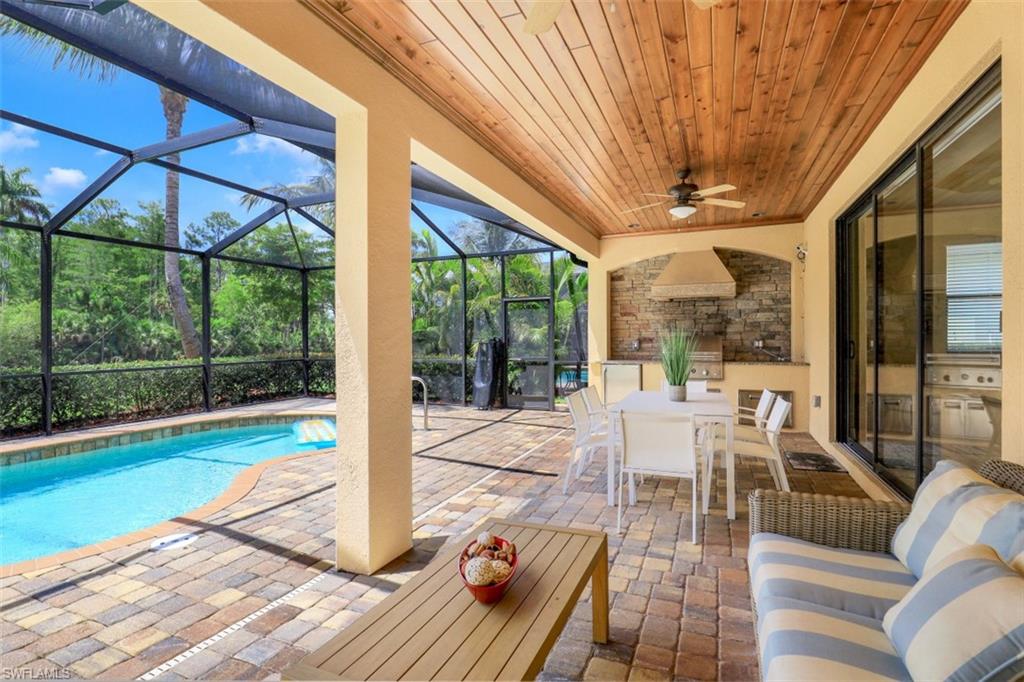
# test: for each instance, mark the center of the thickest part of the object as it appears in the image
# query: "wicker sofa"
(796, 539)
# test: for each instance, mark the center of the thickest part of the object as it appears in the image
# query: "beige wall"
(986, 30)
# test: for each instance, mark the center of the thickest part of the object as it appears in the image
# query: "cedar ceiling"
(772, 96)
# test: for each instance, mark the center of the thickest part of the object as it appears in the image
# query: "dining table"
(706, 409)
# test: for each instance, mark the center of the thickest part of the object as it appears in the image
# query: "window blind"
(974, 297)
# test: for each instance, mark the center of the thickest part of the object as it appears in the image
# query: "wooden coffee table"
(432, 628)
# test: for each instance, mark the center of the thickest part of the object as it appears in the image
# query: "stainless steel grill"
(708, 358)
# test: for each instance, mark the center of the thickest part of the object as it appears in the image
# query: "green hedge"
(444, 379)
(21, 406)
(148, 390)
(87, 399)
(244, 384)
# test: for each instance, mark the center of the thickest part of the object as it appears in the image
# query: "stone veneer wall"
(761, 309)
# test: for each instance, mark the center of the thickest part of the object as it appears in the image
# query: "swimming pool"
(61, 503)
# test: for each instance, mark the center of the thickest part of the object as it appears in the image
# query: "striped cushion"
(964, 620)
(803, 641)
(955, 507)
(865, 583)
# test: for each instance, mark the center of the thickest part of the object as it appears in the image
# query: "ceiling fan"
(687, 195)
(542, 13)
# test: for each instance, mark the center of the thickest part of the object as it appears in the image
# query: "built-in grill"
(708, 358)
(963, 370)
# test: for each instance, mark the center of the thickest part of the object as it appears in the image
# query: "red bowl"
(489, 594)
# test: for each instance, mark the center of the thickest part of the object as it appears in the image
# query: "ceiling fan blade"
(717, 189)
(542, 15)
(727, 203)
(648, 194)
(640, 208)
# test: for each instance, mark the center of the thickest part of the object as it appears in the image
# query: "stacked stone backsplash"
(761, 309)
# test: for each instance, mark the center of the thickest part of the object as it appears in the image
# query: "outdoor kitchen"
(739, 303)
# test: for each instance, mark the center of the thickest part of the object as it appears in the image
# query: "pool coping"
(77, 442)
(239, 487)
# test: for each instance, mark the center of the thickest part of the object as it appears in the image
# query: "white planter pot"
(677, 394)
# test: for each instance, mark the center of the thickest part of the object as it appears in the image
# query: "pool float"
(315, 433)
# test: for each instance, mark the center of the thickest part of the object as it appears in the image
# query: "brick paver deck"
(678, 610)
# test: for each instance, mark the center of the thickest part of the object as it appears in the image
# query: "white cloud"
(63, 178)
(17, 137)
(264, 144)
(102, 152)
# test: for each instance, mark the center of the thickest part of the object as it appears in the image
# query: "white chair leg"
(568, 471)
(693, 507)
(632, 489)
(581, 461)
(618, 510)
(781, 468)
(775, 476)
(709, 468)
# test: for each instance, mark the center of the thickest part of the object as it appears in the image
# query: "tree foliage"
(110, 304)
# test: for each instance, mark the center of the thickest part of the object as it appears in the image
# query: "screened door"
(528, 342)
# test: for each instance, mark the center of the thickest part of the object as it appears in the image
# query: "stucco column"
(374, 342)
(598, 333)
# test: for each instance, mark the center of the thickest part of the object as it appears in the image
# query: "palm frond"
(79, 61)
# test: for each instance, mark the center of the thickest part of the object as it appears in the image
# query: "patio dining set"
(647, 433)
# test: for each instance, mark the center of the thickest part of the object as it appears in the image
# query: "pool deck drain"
(237, 625)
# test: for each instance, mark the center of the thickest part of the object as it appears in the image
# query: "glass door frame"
(846, 358)
(531, 360)
(913, 157)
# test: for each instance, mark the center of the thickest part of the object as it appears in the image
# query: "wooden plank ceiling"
(772, 96)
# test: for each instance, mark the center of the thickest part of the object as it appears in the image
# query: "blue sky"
(125, 111)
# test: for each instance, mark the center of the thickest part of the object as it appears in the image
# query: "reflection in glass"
(963, 286)
(859, 307)
(896, 309)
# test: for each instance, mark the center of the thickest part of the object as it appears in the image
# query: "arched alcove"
(761, 309)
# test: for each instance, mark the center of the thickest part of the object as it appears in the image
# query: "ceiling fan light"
(682, 211)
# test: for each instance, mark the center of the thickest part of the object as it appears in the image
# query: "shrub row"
(81, 400)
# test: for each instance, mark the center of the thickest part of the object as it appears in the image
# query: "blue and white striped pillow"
(956, 507)
(964, 620)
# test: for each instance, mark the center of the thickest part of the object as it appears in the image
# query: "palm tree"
(174, 104)
(318, 183)
(19, 198)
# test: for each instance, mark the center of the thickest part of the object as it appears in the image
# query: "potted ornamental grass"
(677, 351)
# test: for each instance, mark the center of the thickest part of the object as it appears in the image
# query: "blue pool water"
(57, 504)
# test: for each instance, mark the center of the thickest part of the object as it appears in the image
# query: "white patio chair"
(759, 415)
(589, 437)
(754, 434)
(595, 407)
(769, 449)
(660, 445)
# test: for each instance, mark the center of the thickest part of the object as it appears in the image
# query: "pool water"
(61, 503)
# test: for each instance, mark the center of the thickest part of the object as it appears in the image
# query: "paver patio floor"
(678, 610)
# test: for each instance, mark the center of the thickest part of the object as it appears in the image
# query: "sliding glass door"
(920, 300)
(858, 309)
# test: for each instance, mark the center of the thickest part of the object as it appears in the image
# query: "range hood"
(694, 274)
